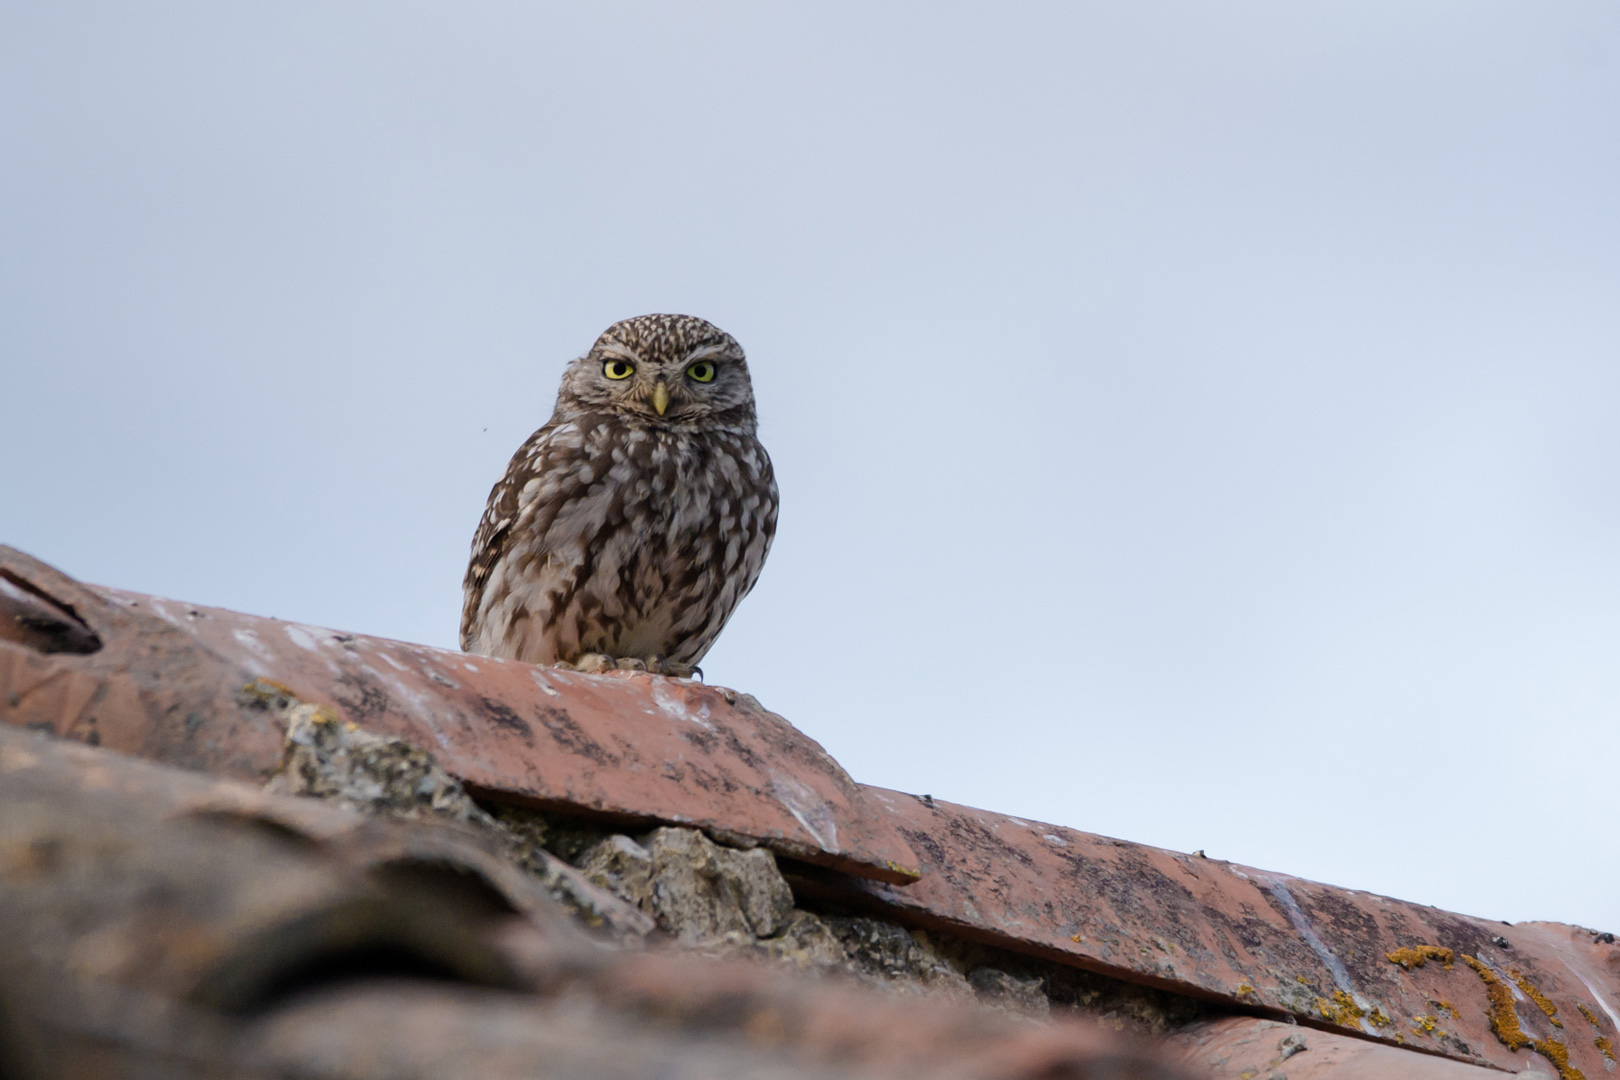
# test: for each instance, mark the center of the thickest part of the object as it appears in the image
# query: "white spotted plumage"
(622, 530)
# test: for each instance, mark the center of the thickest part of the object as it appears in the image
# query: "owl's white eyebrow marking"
(613, 348)
(703, 351)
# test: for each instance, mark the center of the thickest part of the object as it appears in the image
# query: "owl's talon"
(601, 663)
(662, 665)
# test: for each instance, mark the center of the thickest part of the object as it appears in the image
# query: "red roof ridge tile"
(209, 689)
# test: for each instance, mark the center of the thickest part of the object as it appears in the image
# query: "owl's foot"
(591, 663)
(674, 669)
(598, 663)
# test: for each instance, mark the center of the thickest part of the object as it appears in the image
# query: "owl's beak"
(660, 396)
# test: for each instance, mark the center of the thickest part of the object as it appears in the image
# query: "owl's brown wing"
(506, 510)
(489, 543)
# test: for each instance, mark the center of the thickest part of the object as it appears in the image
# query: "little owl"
(625, 531)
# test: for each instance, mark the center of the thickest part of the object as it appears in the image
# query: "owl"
(627, 529)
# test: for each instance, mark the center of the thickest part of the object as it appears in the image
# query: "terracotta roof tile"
(176, 682)
(1254, 938)
(223, 693)
(159, 922)
(1246, 1048)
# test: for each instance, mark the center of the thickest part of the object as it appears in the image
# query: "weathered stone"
(334, 759)
(708, 895)
(567, 838)
(622, 867)
(160, 923)
(698, 890)
(1025, 996)
(806, 942)
(907, 960)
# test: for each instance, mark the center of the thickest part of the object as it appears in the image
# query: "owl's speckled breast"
(630, 540)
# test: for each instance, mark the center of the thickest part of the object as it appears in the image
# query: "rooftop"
(341, 849)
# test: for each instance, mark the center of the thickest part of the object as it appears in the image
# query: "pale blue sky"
(1195, 423)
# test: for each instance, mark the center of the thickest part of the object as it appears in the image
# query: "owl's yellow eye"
(618, 369)
(702, 371)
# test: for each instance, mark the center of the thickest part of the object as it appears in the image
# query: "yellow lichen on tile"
(1504, 1021)
(1600, 1042)
(1415, 956)
(1557, 1053)
(1445, 1006)
(1342, 1010)
(1535, 995)
(264, 692)
(1425, 1025)
(1244, 989)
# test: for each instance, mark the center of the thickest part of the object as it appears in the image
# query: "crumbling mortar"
(825, 938)
(716, 893)
(331, 758)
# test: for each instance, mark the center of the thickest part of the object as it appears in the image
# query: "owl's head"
(665, 370)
